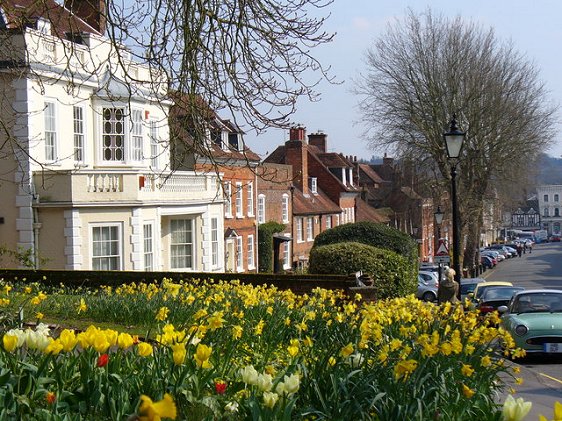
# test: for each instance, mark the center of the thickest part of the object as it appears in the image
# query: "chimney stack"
(297, 133)
(296, 155)
(93, 12)
(319, 140)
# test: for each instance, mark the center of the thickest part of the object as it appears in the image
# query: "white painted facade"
(550, 207)
(86, 180)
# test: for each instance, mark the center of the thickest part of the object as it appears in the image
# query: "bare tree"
(249, 61)
(250, 58)
(427, 67)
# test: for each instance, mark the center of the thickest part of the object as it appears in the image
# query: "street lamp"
(454, 139)
(438, 220)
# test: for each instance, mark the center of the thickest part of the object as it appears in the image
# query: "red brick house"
(224, 153)
(324, 194)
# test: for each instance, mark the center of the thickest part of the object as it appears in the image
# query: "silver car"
(427, 286)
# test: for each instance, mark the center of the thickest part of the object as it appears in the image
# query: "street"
(542, 376)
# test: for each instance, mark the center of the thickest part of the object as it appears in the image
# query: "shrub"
(380, 236)
(389, 270)
(373, 234)
(265, 245)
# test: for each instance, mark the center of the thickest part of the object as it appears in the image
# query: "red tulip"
(103, 359)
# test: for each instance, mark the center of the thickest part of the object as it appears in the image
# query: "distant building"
(549, 205)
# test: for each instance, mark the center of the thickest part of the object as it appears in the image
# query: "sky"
(533, 27)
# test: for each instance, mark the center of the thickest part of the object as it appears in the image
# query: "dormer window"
(44, 26)
(234, 141)
(313, 185)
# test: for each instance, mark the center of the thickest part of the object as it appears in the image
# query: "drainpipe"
(256, 223)
(36, 227)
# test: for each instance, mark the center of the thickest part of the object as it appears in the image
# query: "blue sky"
(533, 27)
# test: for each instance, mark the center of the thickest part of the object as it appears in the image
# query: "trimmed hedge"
(265, 245)
(373, 234)
(380, 236)
(389, 270)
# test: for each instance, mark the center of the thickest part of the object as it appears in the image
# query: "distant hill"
(549, 170)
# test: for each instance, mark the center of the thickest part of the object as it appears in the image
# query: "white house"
(85, 180)
(550, 207)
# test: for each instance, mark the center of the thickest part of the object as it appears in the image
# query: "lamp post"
(454, 139)
(438, 220)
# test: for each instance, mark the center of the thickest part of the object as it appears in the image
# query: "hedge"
(389, 270)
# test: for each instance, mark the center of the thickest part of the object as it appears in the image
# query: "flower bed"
(232, 351)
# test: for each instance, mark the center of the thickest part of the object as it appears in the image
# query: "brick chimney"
(93, 12)
(319, 140)
(296, 155)
(387, 160)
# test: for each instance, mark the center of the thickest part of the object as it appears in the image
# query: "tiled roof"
(313, 204)
(333, 160)
(370, 173)
(22, 13)
(366, 212)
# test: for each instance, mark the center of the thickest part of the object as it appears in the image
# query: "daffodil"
(162, 314)
(82, 306)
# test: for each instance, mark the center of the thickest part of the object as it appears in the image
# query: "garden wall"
(299, 284)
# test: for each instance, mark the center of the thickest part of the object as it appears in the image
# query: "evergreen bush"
(390, 271)
(265, 245)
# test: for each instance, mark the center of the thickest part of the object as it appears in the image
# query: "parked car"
(554, 238)
(481, 288)
(427, 290)
(468, 285)
(495, 296)
(494, 254)
(488, 262)
(503, 250)
(429, 276)
(534, 319)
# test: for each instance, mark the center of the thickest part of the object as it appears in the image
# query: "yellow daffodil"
(293, 348)
(155, 411)
(404, 368)
(347, 350)
(39, 315)
(467, 391)
(82, 306)
(162, 314)
(467, 370)
(237, 332)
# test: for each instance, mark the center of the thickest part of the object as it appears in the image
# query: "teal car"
(534, 319)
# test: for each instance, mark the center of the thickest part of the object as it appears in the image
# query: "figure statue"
(448, 288)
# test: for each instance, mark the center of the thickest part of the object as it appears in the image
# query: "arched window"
(545, 211)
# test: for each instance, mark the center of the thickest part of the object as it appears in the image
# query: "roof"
(370, 173)
(333, 160)
(24, 13)
(365, 212)
(187, 108)
(313, 204)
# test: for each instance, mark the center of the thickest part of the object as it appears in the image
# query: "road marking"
(551, 378)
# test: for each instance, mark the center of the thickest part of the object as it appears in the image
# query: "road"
(542, 376)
